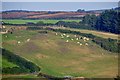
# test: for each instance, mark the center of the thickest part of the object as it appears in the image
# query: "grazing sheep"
(80, 44)
(6, 36)
(28, 40)
(56, 34)
(72, 39)
(3, 26)
(67, 40)
(86, 44)
(87, 39)
(68, 36)
(64, 34)
(84, 38)
(75, 35)
(18, 42)
(77, 38)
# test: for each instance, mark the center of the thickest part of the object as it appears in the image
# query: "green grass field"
(17, 21)
(59, 58)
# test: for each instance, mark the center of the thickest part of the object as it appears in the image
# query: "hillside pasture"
(96, 33)
(59, 58)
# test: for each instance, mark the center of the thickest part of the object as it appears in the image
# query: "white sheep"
(68, 36)
(18, 42)
(77, 38)
(80, 44)
(3, 26)
(64, 34)
(87, 39)
(84, 38)
(56, 34)
(86, 44)
(72, 39)
(75, 35)
(67, 40)
(28, 40)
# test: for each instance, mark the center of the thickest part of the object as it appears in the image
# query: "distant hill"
(23, 14)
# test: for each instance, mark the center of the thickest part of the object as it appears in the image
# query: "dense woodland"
(23, 66)
(109, 21)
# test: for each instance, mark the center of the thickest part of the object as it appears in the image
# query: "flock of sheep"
(25, 41)
(85, 39)
(20, 41)
(75, 38)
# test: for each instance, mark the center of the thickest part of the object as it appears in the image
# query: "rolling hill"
(60, 55)
(16, 14)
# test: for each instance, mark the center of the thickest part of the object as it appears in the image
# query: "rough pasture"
(58, 58)
(97, 33)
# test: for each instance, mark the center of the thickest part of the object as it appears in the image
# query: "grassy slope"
(16, 21)
(58, 58)
(96, 33)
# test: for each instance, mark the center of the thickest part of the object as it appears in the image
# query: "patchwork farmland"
(43, 14)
